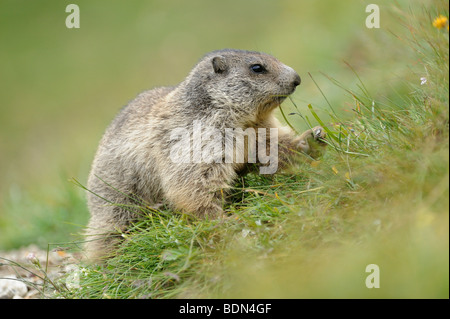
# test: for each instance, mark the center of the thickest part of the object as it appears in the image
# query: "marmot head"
(249, 82)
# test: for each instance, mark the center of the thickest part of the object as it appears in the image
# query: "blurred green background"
(61, 87)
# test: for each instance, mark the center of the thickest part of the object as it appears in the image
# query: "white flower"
(423, 80)
(31, 257)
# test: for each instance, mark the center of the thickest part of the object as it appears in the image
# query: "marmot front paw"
(319, 134)
(312, 141)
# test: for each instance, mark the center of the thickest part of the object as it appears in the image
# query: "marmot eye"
(258, 68)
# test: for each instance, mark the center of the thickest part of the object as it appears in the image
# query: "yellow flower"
(440, 22)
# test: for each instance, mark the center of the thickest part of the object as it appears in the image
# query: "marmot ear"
(219, 64)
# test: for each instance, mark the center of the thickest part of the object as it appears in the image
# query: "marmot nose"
(297, 80)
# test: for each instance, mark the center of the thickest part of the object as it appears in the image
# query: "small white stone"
(10, 287)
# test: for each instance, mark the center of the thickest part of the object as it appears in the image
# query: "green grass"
(380, 196)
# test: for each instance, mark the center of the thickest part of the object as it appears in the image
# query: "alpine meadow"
(369, 219)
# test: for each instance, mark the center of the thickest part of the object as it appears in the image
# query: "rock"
(11, 287)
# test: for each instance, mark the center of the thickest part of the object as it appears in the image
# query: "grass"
(378, 196)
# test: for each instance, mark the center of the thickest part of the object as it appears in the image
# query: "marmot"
(228, 88)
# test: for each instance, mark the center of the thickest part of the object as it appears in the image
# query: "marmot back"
(138, 160)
